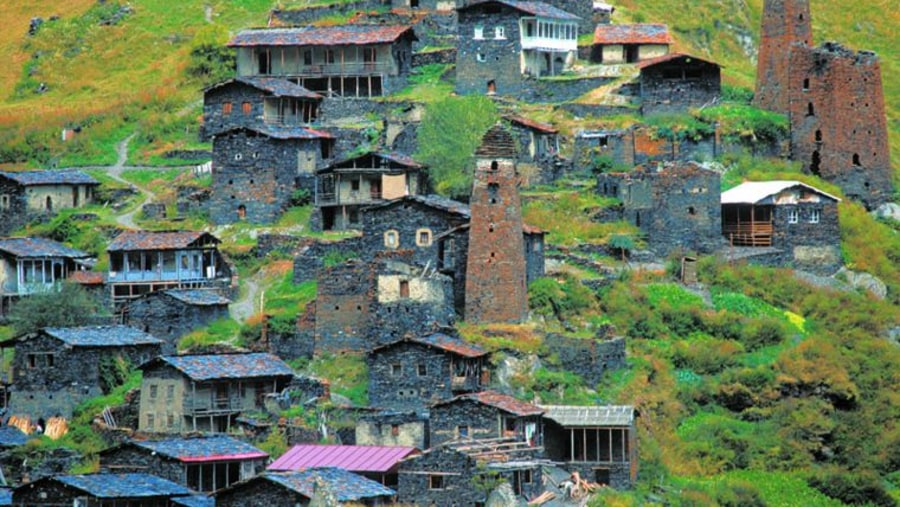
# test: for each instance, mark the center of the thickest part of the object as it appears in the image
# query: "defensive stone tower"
(785, 23)
(495, 274)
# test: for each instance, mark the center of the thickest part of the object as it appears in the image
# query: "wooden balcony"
(749, 234)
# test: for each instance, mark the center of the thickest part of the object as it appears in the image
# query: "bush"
(563, 297)
(853, 488)
(71, 306)
(706, 355)
(760, 333)
(301, 197)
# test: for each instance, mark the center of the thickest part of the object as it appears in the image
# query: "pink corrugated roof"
(355, 458)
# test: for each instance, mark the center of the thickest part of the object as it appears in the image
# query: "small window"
(856, 161)
(404, 289)
(329, 56)
(238, 156)
(436, 482)
(423, 237)
(151, 421)
(32, 360)
(479, 32)
(810, 110)
(422, 369)
(499, 32)
(814, 216)
(391, 239)
(307, 57)
(227, 107)
(170, 421)
(793, 216)
(153, 391)
(51, 360)
(246, 108)
(354, 185)
(170, 392)
(462, 431)
(806, 84)
(395, 430)
(526, 477)
(396, 369)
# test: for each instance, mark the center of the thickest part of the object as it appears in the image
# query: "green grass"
(347, 373)
(220, 331)
(426, 85)
(676, 296)
(781, 489)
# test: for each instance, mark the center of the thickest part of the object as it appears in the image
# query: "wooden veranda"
(748, 225)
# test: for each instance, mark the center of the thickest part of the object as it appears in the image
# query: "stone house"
(674, 206)
(256, 170)
(504, 43)
(377, 463)
(614, 44)
(538, 159)
(202, 463)
(485, 415)
(292, 489)
(145, 261)
(29, 193)
(432, 5)
(255, 102)
(415, 372)
(345, 187)
(30, 265)
(676, 82)
(602, 12)
(171, 314)
(56, 368)
(599, 442)
(393, 428)
(447, 474)
(206, 392)
(796, 224)
(99, 490)
(335, 61)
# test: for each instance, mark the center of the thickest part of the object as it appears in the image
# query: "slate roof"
(134, 485)
(498, 400)
(356, 458)
(86, 277)
(32, 178)
(755, 192)
(194, 501)
(101, 336)
(587, 417)
(278, 87)
(673, 56)
(340, 35)
(431, 201)
(198, 297)
(534, 125)
(397, 158)
(164, 240)
(497, 143)
(632, 34)
(282, 132)
(39, 247)
(202, 449)
(443, 342)
(10, 436)
(226, 366)
(539, 9)
(345, 486)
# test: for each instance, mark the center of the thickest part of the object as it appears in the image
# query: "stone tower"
(838, 122)
(784, 24)
(495, 273)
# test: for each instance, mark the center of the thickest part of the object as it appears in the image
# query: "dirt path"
(246, 304)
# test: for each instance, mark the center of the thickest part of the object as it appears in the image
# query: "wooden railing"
(749, 234)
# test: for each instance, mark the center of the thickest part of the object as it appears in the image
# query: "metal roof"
(755, 192)
(202, 449)
(135, 485)
(582, 417)
(443, 342)
(539, 9)
(195, 501)
(356, 458)
(10, 436)
(164, 240)
(673, 56)
(632, 34)
(498, 400)
(279, 87)
(345, 486)
(341, 35)
(30, 178)
(545, 128)
(101, 336)
(39, 247)
(198, 297)
(226, 366)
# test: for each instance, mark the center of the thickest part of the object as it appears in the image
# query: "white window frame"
(815, 216)
(429, 239)
(392, 239)
(793, 216)
(479, 33)
(499, 32)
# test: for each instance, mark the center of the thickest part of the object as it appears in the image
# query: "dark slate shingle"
(198, 297)
(212, 448)
(133, 485)
(229, 366)
(340, 35)
(163, 240)
(345, 486)
(39, 247)
(102, 336)
(30, 178)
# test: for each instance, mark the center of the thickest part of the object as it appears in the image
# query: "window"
(499, 32)
(810, 110)
(329, 56)
(793, 216)
(404, 289)
(153, 391)
(354, 185)
(814, 216)
(395, 430)
(151, 421)
(307, 57)
(526, 476)
(806, 84)
(479, 32)
(480, 58)
(170, 421)
(51, 360)
(246, 108)
(391, 239)
(856, 161)
(462, 431)
(32, 360)
(423, 237)
(422, 369)
(436, 482)
(396, 369)
(226, 108)
(170, 392)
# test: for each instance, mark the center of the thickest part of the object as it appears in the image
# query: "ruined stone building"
(343, 188)
(676, 207)
(56, 368)
(143, 261)
(35, 265)
(335, 61)
(676, 82)
(496, 289)
(504, 43)
(417, 371)
(539, 160)
(485, 415)
(633, 43)
(100, 490)
(393, 428)
(206, 392)
(171, 314)
(290, 489)
(785, 23)
(26, 194)
(202, 463)
(785, 223)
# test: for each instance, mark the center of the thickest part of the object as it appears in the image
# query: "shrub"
(71, 306)
(760, 333)
(562, 297)
(853, 488)
(707, 355)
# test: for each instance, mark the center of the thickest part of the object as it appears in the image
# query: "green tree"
(70, 306)
(211, 60)
(450, 132)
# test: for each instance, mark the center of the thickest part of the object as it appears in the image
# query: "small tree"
(623, 243)
(70, 306)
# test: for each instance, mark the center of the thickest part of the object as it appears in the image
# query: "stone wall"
(345, 294)
(814, 247)
(259, 492)
(480, 61)
(588, 358)
(393, 428)
(15, 214)
(416, 486)
(310, 255)
(131, 459)
(445, 56)
(698, 84)
(784, 23)
(305, 16)
(168, 318)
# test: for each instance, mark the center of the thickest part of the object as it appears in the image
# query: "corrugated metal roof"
(279, 87)
(101, 336)
(673, 56)
(579, 417)
(134, 485)
(164, 240)
(203, 449)
(534, 8)
(499, 400)
(195, 501)
(198, 297)
(345, 486)
(39, 247)
(340, 35)
(534, 125)
(29, 178)
(753, 192)
(10, 436)
(356, 458)
(227, 366)
(632, 34)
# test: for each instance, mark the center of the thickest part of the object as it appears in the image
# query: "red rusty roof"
(444, 342)
(86, 277)
(341, 35)
(670, 57)
(526, 122)
(499, 400)
(355, 458)
(632, 34)
(530, 229)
